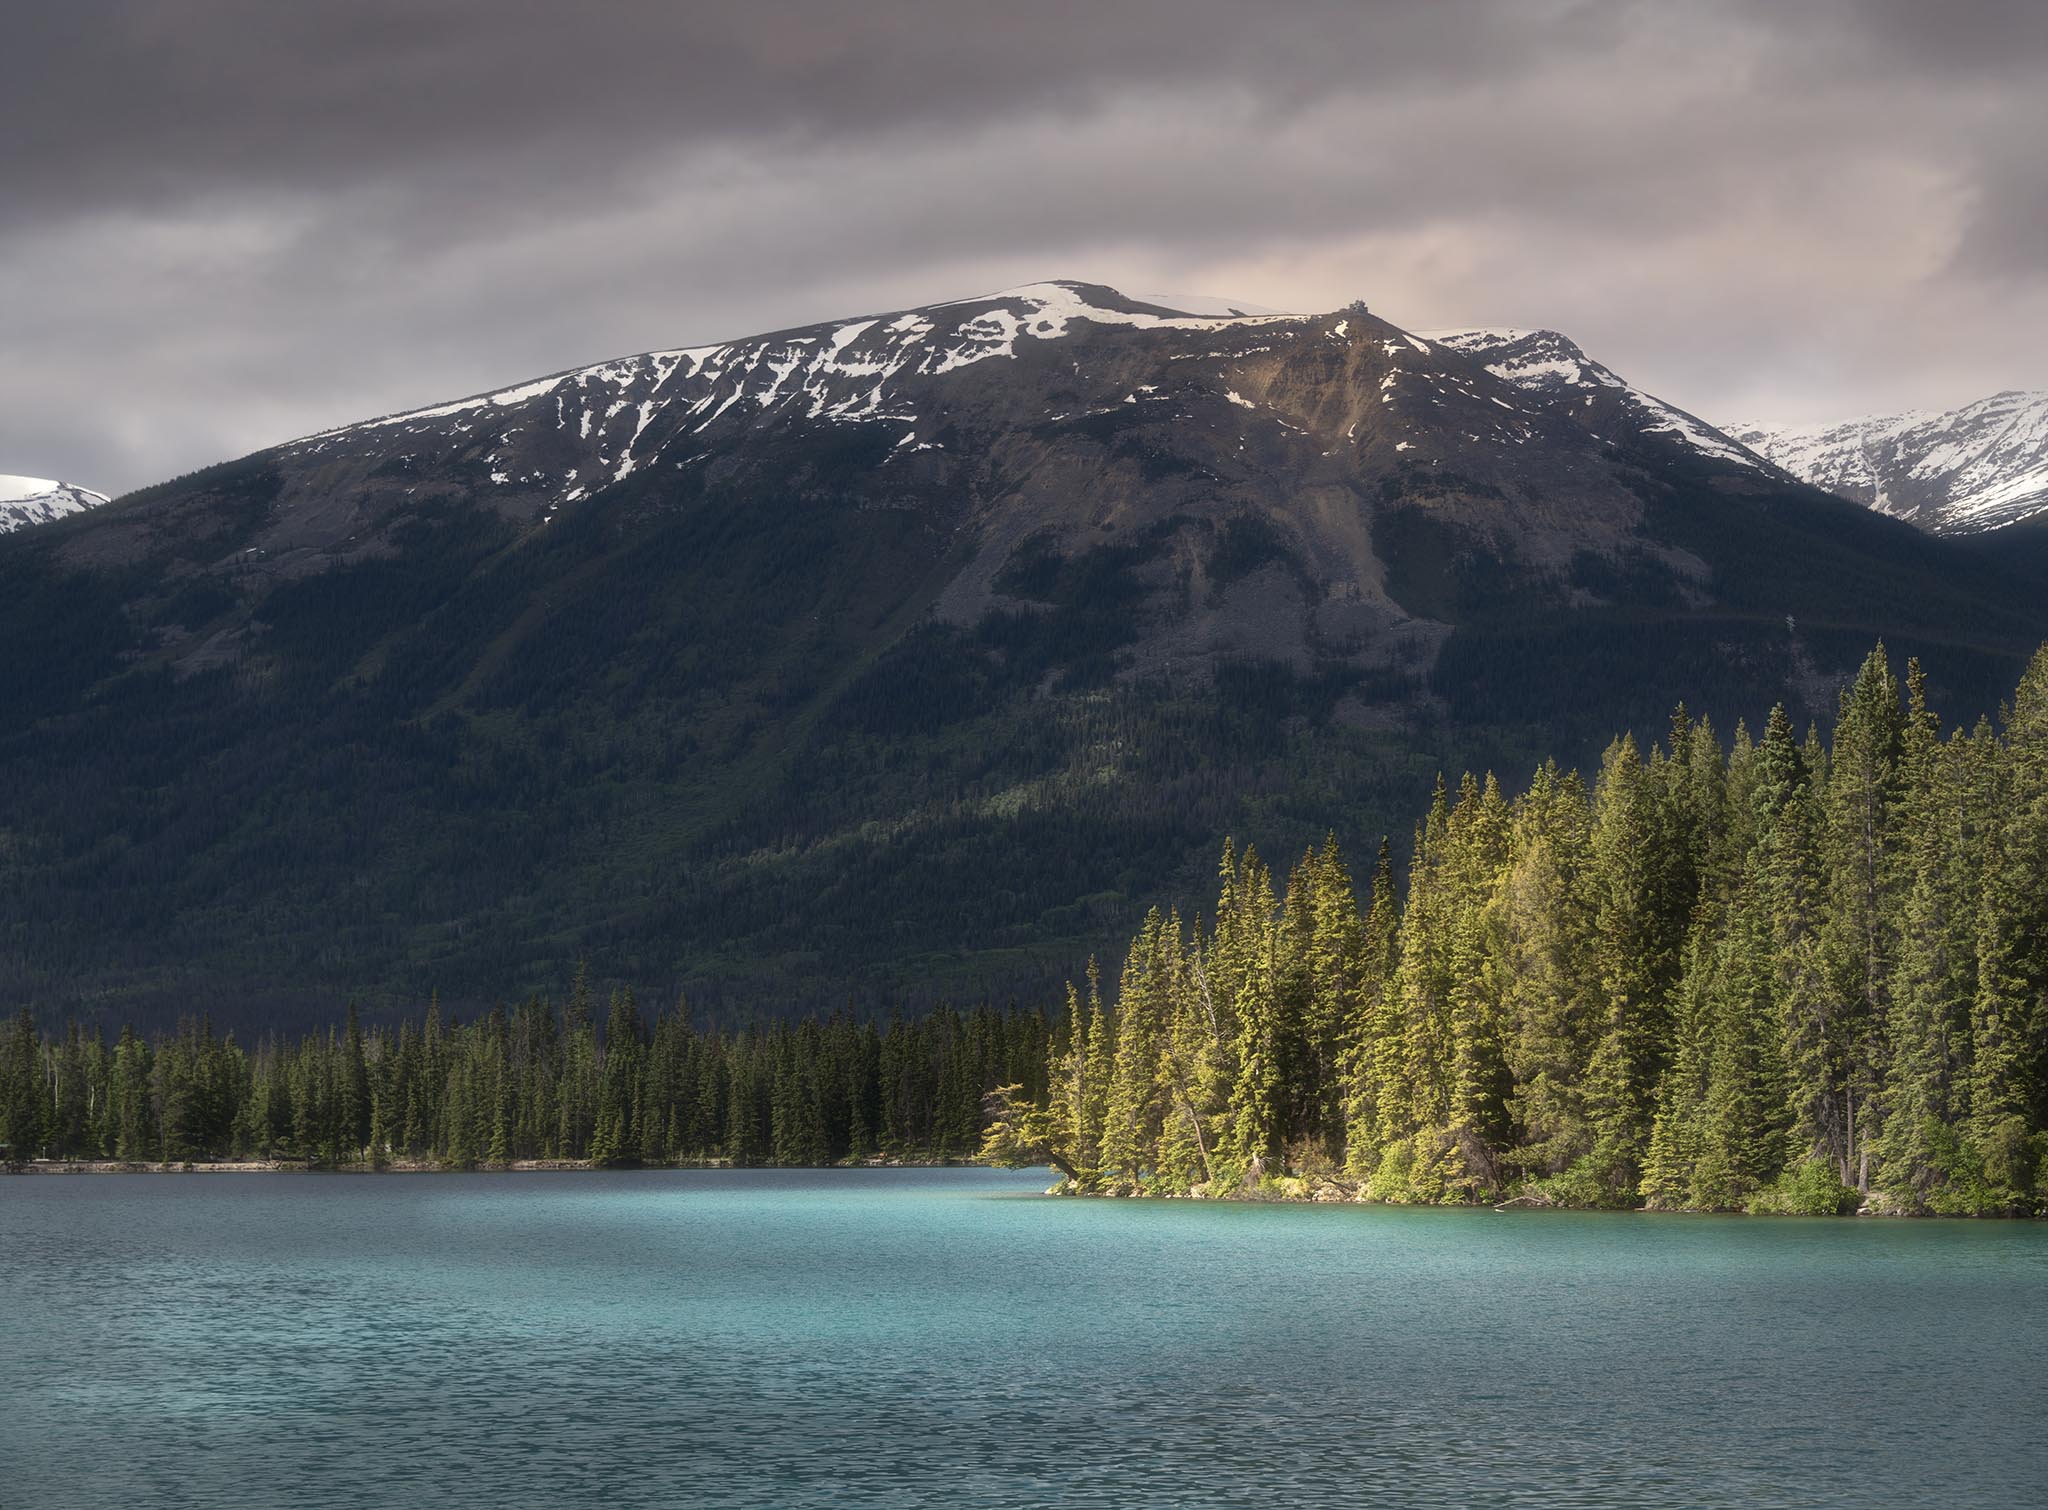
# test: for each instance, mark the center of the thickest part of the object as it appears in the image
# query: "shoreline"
(422, 1166)
(1325, 1193)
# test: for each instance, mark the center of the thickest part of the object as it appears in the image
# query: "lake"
(946, 1337)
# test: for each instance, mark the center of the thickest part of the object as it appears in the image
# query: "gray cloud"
(238, 221)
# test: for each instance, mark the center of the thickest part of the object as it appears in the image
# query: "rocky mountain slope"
(1554, 368)
(26, 501)
(1022, 427)
(912, 653)
(1970, 470)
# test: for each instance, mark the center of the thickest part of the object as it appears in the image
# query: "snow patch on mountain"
(1553, 367)
(855, 372)
(1980, 467)
(935, 339)
(26, 501)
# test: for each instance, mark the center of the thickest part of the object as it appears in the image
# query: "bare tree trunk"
(1849, 1138)
(1194, 1121)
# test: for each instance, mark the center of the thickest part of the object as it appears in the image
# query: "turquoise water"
(940, 1337)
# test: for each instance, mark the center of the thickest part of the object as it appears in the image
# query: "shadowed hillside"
(907, 657)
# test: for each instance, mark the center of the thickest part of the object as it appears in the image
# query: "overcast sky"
(224, 223)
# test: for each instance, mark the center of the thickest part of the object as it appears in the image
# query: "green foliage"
(1785, 977)
(1581, 1185)
(1810, 1188)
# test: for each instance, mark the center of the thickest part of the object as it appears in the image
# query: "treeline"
(529, 1083)
(1778, 975)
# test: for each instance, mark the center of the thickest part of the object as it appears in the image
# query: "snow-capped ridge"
(1539, 360)
(559, 439)
(915, 340)
(1552, 365)
(27, 501)
(1975, 468)
(840, 372)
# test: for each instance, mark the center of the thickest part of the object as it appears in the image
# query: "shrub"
(1809, 1189)
(1579, 1185)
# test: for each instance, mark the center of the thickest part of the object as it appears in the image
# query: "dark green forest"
(1782, 975)
(1775, 973)
(530, 1083)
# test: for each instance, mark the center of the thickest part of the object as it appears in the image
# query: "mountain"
(1003, 435)
(899, 656)
(1978, 468)
(38, 500)
(1553, 368)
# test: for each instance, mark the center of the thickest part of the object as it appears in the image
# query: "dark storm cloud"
(1981, 64)
(224, 222)
(128, 102)
(1969, 38)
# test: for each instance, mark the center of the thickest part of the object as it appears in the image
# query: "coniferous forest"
(529, 1084)
(1782, 975)
(1776, 973)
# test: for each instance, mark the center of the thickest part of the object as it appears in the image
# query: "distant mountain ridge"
(1977, 468)
(1553, 367)
(626, 412)
(26, 501)
(908, 654)
(1018, 417)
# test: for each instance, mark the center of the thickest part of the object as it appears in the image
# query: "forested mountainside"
(899, 658)
(1781, 975)
(1775, 974)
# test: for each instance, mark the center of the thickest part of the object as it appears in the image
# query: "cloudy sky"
(224, 223)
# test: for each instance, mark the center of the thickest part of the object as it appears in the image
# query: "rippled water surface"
(940, 1337)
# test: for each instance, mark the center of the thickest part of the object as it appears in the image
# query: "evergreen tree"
(1132, 1124)
(26, 1112)
(1943, 826)
(1632, 967)
(1551, 995)
(354, 1107)
(1856, 939)
(1371, 1047)
(612, 1139)
(2009, 1019)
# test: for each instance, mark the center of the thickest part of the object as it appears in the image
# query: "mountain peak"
(921, 393)
(1074, 300)
(1555, 368)
(922, 340)
(855, 372)
(1543, 361)
(1975, 468)
(26, 501)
